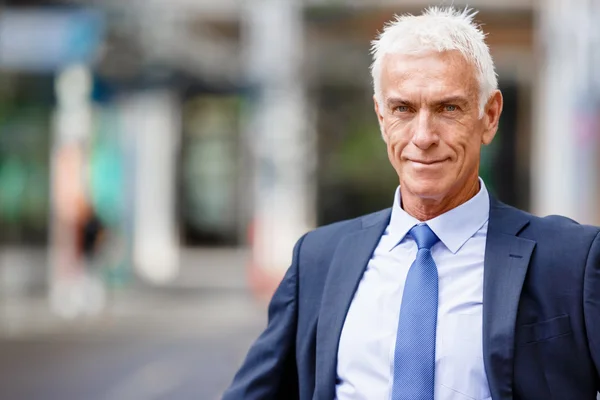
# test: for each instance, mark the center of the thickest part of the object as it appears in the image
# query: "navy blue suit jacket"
(541, 310)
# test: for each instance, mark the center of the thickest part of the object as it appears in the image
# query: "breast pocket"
(462, 372)
(543, 331)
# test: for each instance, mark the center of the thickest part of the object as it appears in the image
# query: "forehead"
(428, 74)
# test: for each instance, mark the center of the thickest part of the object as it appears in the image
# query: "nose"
(424, 135)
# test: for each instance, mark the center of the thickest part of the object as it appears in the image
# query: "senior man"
(449, 294)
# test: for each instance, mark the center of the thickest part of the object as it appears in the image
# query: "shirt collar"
(454, 227)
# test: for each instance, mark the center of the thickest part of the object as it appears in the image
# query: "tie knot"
(424, 236)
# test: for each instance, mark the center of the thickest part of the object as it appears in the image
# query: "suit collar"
(508, 220)
(507, 259)
(376, 219)
(348, 264)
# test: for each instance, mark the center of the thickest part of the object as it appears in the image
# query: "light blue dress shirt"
(366, 349)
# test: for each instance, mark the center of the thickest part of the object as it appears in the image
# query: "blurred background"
(159, 159)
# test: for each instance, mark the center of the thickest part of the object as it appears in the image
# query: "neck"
(425, 209)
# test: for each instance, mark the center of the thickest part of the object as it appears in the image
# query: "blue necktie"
(414, 357)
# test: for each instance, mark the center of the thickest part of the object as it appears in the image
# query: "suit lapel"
(505, 267)
(347, 267)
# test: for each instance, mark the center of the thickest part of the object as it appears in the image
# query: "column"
(279, 137)
(151, 120)
(566, 133)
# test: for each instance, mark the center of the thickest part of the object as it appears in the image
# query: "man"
(449, 294)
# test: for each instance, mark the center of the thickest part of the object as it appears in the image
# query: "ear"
(491, 117)
(379, 112)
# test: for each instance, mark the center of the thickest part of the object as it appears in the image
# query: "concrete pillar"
(152, 120)
(566, 133)
(279, 137)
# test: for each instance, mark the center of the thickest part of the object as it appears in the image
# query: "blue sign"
(47, 39)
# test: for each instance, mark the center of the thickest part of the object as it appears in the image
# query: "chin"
(426, 188)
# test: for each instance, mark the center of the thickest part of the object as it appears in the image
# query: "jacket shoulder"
(319, 245)
(563, 226)
(328, 236)
(558, 231)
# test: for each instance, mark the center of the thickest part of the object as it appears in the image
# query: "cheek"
(465, 153)
(461, 142)
(396, 134)
(392, 151)
(395, 145)
(472, 146)
(463, 136)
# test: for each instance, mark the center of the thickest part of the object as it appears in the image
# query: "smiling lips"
(428, 162)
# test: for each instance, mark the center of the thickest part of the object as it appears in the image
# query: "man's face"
(429, 117)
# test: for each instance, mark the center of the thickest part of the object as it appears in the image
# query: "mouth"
(428, 162)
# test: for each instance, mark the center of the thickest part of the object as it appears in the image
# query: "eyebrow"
(445, 100)
(392, 101)
(452, 99)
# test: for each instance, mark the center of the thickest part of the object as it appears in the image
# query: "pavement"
(178, 342)
(181, 341)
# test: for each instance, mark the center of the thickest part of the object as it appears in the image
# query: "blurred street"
(182, 341)
(159, 160)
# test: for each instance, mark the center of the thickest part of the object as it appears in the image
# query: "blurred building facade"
(157, 125)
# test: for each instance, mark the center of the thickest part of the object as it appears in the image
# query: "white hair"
(437, 29)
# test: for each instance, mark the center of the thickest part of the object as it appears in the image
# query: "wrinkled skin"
(430, 121)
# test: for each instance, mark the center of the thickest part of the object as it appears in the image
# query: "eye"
(402, 109)
(450, 108)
